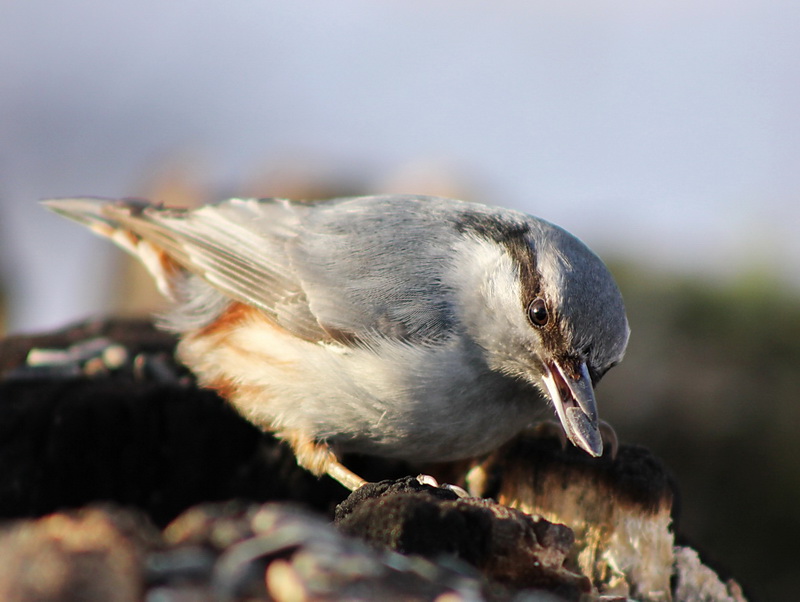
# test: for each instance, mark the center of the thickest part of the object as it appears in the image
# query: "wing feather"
(218, 244)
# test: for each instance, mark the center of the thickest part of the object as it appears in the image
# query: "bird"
(403, 326)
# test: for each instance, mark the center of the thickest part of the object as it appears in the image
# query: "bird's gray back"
(376, 265)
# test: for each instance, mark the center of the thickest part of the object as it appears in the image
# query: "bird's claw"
(426, 479)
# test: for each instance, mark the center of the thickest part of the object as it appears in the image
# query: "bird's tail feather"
(121, 222)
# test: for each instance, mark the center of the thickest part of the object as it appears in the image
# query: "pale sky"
(662, 131)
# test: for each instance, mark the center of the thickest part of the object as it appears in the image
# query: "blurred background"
(664, 134)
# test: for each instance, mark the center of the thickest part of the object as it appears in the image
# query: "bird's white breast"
(420, 403)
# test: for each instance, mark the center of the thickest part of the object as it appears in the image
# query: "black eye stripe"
(538, 313)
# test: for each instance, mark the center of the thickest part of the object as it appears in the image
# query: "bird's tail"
(125, 223)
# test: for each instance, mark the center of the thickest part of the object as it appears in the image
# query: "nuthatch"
(419, 328)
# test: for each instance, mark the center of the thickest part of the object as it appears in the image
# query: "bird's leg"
(339, 472)
(318, 459)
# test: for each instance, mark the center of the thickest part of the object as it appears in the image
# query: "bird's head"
(544, 309)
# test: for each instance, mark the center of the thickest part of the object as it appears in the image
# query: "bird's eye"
(537, 312)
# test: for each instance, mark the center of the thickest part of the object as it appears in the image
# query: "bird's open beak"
(575, 405)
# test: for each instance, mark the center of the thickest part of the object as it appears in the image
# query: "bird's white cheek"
(489, 301)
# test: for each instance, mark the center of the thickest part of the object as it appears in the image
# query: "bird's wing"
(223, 244)
(374, 266)
(349, 269)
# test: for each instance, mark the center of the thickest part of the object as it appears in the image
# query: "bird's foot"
(426, 479)
(318, 458)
